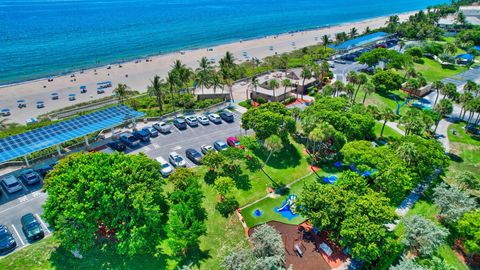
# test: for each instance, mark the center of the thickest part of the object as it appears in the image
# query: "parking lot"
(30, 199)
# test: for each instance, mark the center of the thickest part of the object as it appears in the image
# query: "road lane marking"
(23, 199)
(43, 223)
(10, 208)
(18, 235)
(176, 148)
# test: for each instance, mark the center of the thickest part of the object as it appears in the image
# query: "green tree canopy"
(468, 228)
(422, 235)
(453, 202)
(386, 81)
(269, 119)
(94, 197)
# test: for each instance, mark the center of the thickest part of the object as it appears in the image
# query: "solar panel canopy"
(35, 140)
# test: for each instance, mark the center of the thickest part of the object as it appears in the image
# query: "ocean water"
(45, 37)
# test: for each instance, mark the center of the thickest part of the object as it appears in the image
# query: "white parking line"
(43, 223)
(18, 235)
(23, 199)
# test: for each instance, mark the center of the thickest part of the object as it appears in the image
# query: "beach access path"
(140, 73)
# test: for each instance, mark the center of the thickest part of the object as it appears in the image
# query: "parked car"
(5, 112)
(130, 140)
(7, 242)
(203, 120)
(163, 127)
(234, 142)
(117, 145)
(192, 121)
(42, 171)
(206, 148)
(40, 104)
(165, 168)
(193, 155)
(227, 116)
(11, 184)
(215, 118)
(180, 123)
(31, 227)
(142, 135)
(100, 91)
(30, 176)
(151, 131)
(177, 160)
(54, 96)
(220, 146)
(71, 97)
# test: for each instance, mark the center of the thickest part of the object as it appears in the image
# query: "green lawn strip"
(433, 70)
(387, 133)
(386, 100)
(464, 149)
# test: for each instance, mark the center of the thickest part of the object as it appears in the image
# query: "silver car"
(215, 118)
(165, 168)
(177, 160)
(11, 184)
(203, 120)
(163, 127)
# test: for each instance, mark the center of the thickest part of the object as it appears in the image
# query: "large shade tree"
(115, 199)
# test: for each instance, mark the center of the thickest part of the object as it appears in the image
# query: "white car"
(206, 148)
(165, 168)
(215, 118)
(11, 184)
(192, 121)
(203, 120)
(177, 160)
(163, 127)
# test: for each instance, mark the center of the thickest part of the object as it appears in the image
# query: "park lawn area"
(388, 132)
(464, 149)
(385, 100)
(433, 70)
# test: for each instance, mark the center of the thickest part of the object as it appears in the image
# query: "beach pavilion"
(54, 135)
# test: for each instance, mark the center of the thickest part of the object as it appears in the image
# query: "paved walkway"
(394, 126)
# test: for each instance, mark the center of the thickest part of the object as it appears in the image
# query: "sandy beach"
(140, 73)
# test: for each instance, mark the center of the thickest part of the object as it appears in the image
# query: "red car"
(234, 142)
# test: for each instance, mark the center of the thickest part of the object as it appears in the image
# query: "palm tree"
(284, 63)
(401, 44)
(463, 100)
(172, 87)
(367, 30)
(274, 145)
(368, 88)
(254, 83)
(461, 19)
(353, 32)
(387, 114)
(350, 90)
(204, 72)
(326, 41)
(286, 83)
(3, 123)
(449, 48)
(338, 87)
(449, 90)
(306, 74)
(155, 90)
(443, 108)
(361, 80)
(121, 92)
(407, 152)
(227, 66)
(273, 84)
(471, 87)
(437, 85)
(216, 81)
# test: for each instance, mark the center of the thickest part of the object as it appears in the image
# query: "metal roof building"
(53, 135)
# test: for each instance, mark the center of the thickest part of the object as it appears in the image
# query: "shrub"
(227, 206)
(261, 100)
(246, 104)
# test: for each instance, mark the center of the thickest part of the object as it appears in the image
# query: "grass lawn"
(464, 149)
(382, 100)
(388, 132)
(433, 71)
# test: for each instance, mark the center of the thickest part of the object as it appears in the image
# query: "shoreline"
(191, 49)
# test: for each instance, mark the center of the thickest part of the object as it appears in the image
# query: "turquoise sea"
(45, 37)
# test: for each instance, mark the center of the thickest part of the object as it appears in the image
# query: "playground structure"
(287, 209)
(331, 179)
(399, 106)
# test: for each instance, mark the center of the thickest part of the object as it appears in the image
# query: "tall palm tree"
(471, 87)
(286, 83)
(216, 81)
(407, 152)
(284, 63)
(350, 90)
(305, 74)
(326, 41)
(172, 86)
(254, 83)
(121, 92)
(387, 114)
(449, 48)
(367, 30)
(273, 84)
(368, 88)
(361, 80)
(227, 65)
(353, 32)
(437, 85)
(203, 73)
(352, 77)
(155, 90)
(338, 87)
(463, 99)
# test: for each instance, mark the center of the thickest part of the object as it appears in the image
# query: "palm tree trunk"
(436, 98)
(436, 126)
(285, 93)
(364, 98)
(231, 93)
(274, 96)
(383, 127)
(303, 87)
(269, 155)
(478, 119)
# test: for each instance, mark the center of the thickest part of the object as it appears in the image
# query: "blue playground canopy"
(26, 143)
(465, 56)
(359, 41)
(330, 179)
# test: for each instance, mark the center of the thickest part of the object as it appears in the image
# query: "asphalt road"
(30, 199)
